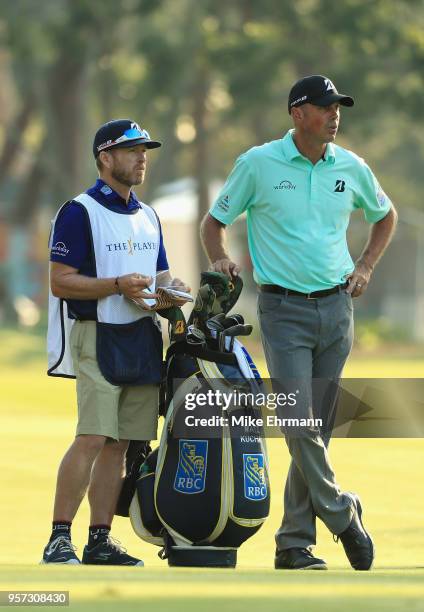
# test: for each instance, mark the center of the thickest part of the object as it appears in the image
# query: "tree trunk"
(201, 155)
(14, 135)
(28, 200)
(67, 87)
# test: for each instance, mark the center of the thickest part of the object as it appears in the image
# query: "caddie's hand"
(180, 285)
(225, 266)
(134, 286)
(359, 279)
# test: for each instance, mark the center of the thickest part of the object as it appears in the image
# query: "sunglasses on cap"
(128, 135)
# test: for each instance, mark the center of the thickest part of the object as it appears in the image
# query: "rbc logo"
(254, 477)
(192, 462)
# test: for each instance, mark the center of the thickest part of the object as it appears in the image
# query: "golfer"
(298, 193)
(106, 250)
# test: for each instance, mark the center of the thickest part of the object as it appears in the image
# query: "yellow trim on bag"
(192, 383)
(138, 526)
(210, 371)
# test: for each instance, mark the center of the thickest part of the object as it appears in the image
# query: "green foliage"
(224, 68)
(371, 334)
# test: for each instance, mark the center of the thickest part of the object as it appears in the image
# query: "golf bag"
(205, 489)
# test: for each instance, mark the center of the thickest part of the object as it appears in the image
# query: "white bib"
(121, 244)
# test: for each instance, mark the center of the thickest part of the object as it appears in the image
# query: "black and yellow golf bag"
(205, 489)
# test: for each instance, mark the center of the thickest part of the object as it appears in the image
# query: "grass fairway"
(38, 420)
(240, 590)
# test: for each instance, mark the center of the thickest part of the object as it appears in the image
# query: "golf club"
(232, 332)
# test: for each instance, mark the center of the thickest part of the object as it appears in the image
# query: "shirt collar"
(291, 151)
(109, 198)
(330, 153)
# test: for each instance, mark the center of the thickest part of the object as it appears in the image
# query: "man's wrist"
(117, 287)
(221, 258)
(362, 261)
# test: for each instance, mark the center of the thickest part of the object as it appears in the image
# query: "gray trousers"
(305, 340)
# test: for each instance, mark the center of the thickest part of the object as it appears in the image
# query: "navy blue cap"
(318, 90)
(121, 133)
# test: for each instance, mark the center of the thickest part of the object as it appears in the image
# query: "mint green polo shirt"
(298, 212)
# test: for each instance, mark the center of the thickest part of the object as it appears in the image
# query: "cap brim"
(150, 144)
(333, 97)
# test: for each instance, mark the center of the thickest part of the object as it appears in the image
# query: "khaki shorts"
(121, 413)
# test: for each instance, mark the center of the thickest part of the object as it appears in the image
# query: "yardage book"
(167, 297)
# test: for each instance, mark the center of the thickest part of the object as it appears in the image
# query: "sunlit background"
(210, 79)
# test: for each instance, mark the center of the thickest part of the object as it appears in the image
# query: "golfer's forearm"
(213, 237)
(380, 236)
(76, 286)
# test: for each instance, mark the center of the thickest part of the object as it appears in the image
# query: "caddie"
(298, 193)
(107, 254)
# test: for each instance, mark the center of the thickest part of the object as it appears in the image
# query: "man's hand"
(225, 266)
(180, 285)
(164, 280)
(359, 279)
(133, 286)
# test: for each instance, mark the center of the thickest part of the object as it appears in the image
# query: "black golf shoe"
(109, 552)
(298, 559)
(60, 550)
(358, 545)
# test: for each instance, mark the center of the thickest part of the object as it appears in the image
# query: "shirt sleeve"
(371, 197)
(71, 239)
(237, 194)
(162, 261)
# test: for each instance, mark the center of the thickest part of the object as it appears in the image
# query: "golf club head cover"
(217, 294)
(177, 323)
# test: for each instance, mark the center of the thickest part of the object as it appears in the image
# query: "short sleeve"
(371, 197)
(237, 194)
(71, 238)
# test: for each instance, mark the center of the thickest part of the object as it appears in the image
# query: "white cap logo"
(328, 85)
